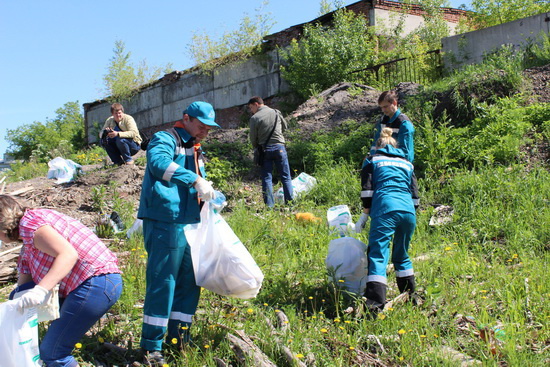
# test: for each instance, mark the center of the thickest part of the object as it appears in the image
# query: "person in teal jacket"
(401, 125)
(172, 194)
(390, 197)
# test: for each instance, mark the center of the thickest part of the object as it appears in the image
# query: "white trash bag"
(137, 227)
(347, 264)
(300, 185)
(18, 336)
(221, 262)
(63, 169)
(339, 220)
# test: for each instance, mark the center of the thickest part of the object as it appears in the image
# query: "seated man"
(120, 136)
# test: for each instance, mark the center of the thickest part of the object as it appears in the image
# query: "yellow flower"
(101, 340)
(250, 310)
(336, 320)
(423, 336)
(277, 311)
(401, 332)
(347, 322)
(286, 321)
(448, 248)
(314, 317)
(341, 327)
(265, 304)
(299, 355)
(401, 358)
(206, 346)
(381, 316)
(323, 330)
(310, 297)
(390, 308)
(483, 291)
(323, 301)
(184, 328)
(166, 365)
(351, 348)
(514, 256)
(341, 281)
(436, 336)
(78, 345)
(174, 341)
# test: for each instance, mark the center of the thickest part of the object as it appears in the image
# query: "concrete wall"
(164, 102)
(469, 48)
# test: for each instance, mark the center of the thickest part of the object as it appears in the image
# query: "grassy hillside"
(482, 277)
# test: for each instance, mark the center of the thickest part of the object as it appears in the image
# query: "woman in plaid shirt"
(58, 249)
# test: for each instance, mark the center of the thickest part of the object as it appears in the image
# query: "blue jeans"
(82, 308)
(121, 150)
(276, 153)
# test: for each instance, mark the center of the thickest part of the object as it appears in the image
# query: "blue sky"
(57, 51)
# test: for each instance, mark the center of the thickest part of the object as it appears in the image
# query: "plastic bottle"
(219, 202)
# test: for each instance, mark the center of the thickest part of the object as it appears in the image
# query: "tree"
(326, 55)
(493, 12)
(123, 79)
(238, 44)
(41, 141)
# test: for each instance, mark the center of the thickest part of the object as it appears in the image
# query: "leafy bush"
(20, 171)
(44, 141)
(326, 55)
(351, 142)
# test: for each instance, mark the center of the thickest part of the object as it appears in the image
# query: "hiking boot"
(154, 358)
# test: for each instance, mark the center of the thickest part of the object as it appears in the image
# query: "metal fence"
(422, 70)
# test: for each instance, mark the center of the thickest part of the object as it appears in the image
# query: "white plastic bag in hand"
(18, 336)
(221, 262)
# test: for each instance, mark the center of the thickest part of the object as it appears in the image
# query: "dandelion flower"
(423, 336)
(101, 340)
(347, 322)
(265, 304)
(401, 332)
(206, 346)
(310, 297)
(323, 330)
(351, 348)
(78, 345)
(250, 310)
(299, 355)
(336, 320)
(448, 248)
(277, 311)
(341, 328)
(174, 341)
(381, 316)
(184, 327)
(341, 281)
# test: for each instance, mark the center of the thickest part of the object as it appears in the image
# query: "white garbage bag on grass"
(347, 264)
(339, 220)
(63, 169)
(300, 185)
(18, 336)
(221, 262)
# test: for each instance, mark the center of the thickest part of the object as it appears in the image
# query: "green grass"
(488, 264)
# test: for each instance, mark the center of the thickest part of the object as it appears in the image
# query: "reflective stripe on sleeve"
(367, 193)
(172, 167)
(404, 273)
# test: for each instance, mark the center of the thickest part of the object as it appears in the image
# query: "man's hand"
(204, 188)
(34, 297)
(112, 134)
(361, 222)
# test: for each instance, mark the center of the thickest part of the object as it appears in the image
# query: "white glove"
(34, 297)
(361, 223)
(205, 189)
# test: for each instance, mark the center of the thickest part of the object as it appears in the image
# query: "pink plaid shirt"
(94, 258)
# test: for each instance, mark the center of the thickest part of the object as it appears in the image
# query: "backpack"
(146, 138)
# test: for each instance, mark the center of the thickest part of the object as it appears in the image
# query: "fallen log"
(244, 348)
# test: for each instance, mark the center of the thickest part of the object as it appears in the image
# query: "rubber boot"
(376, 296)
(406, 284)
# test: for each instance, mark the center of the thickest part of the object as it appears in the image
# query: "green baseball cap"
(202, 111)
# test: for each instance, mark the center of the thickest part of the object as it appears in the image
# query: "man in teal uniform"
(172, 193)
